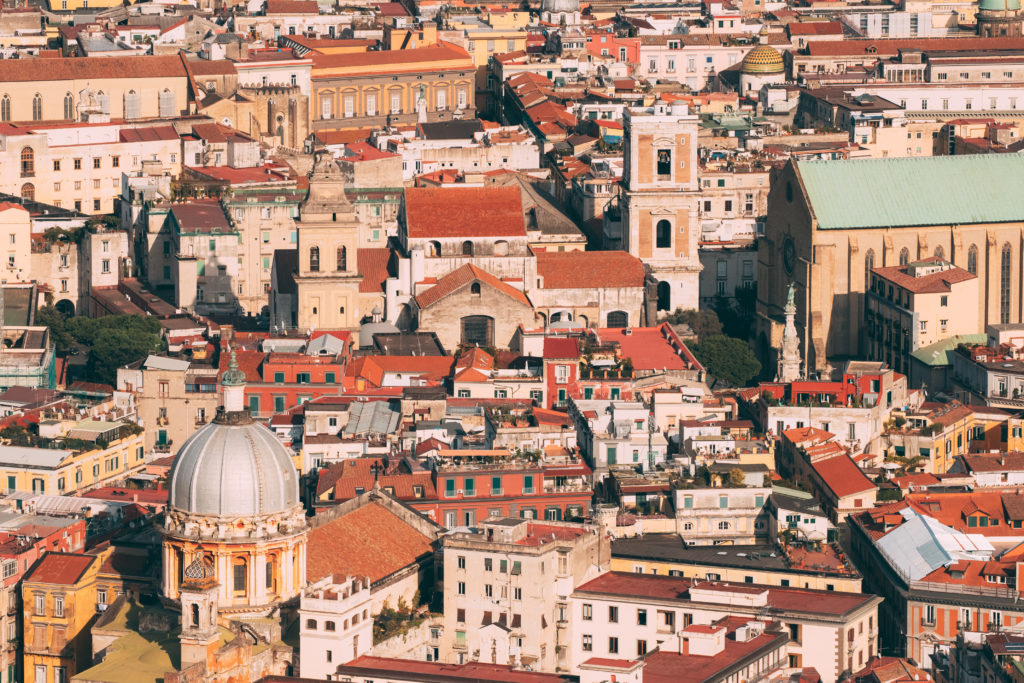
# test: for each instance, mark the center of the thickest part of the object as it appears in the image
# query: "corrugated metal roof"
(878, 193)
(373, 417)
(922, 544)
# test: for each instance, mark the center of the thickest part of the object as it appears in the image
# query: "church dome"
(560, 6)
(234, 468)
(765, 59)
(999, 5)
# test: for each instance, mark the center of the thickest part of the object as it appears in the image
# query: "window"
(37, 107)
(461, 562)
(588, 643)
(664, 234)
(588, 611)
(58, 606)
(613, 614)
(115, 161)
(664, 168)
(1004, 284)
(972, 259)
(96, 162)
(904, 256)
(28, 162)
(462, 587)
(5, 108)
(314, 259)
(641, 648)
(40, 605)
(28, 191)
(613, 646)
(342, 258)
(641, 617)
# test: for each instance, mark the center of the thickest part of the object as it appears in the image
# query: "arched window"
(5, 108)
(37, 107)
(904, 256)
(342, 258)
(467, 248)
(1004, 284)
(664, 296)
(103, 100)
(314, 259)
(618, 319)
(195, 614)
(664, 234)
(69, 107)
(474, 289)
(28, 162)
(869, 263)
(478, 329)
(501, 248)
(28, 191)
(311, 624)
(434, 249)
(940, 252)
(972, 260)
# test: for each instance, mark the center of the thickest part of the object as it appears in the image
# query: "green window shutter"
(279, 377)
(611, 455)
(449, 487)
(278, 404)
(528, 482)
(200, 268)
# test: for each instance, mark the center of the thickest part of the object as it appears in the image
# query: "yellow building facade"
(393, 86)
(66, 472)
(59, 604)
(140, 87)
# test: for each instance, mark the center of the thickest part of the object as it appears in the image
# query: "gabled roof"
(373, 264)
(912, 191)
(354, 545)
(483, 212)
(90, 68)
(589, 269)
(463, 277)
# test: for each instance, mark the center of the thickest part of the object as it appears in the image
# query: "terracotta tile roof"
(60, 568)
(953, 508)
(561, 347)
(373, 368)
(351, 545)
(148, 134)
(891, 47)
(483, 212)
(474, 366)
(842, 475)
(91, 68)
(651, 348)
(368, 667)
(292, 7)
(891, 670)
(373, 264)
(935, 283)
(799, 600)
(345, 477)
(211, 67)
(994, 462)
(390, 61)
(589, 269)
(815, 28)
(463, 277)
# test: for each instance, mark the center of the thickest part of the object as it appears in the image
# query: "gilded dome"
(234, 468)
(763, 59)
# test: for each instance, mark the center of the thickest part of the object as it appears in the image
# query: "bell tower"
(660, 197)
(199, 635)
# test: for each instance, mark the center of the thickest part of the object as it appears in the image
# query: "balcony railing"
(566, 488)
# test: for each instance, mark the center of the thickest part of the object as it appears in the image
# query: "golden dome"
(763, 59)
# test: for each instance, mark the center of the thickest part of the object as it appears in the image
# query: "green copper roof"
(940, 352)
(999, 5)
(880, 193)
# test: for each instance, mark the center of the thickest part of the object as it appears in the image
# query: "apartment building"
(506, 590)
(914, 305)
(331, 625)
(173, 397)
(613, 433)
(723, 514)
(59, 594)
(692, 60)
(626, 616)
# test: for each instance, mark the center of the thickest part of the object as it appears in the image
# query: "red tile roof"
(292, 7)
(891, 47)
(373, 368)
(842, 476)
(651, 348)
(589, 269)
(935, 283)
(373, 264)
(561, 347)
(463, 277)
(430, 671)
(800, 600)
(395, 60)
(202, 215)
(483, 212)
(815, 28)
(351, 545)
(60, 568)
(953, 508)
(91, 68)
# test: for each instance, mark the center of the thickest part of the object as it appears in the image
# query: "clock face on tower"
(789, 254)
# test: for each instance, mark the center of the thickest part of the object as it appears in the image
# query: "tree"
(736, 477)
(703, 323)
(727, 359)
(57, 322)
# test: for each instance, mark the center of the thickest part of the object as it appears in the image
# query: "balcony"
(579, 487)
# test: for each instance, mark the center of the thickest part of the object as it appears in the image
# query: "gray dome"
(560, 6)
(234, 470)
